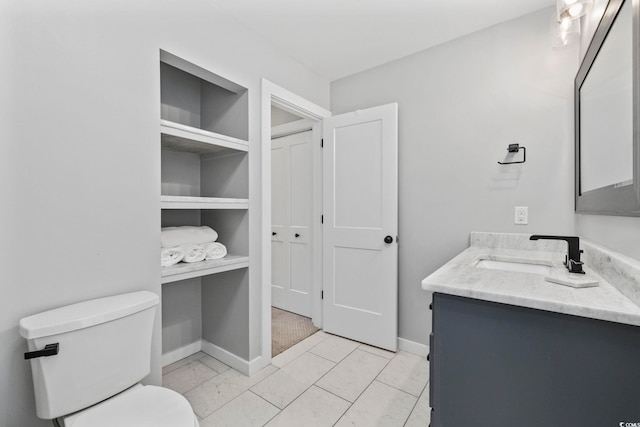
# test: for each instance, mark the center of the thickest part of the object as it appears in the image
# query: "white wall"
(460, 105)
(621, 234)
(80, 157)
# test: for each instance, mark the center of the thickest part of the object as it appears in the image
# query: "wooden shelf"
(184, 202)
(182, 271)
(176, 136)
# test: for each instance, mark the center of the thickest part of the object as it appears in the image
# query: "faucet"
(572, 260)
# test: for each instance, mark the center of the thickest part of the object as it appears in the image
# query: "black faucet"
(572, 260)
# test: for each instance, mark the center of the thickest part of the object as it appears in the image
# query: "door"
(360, 226)
(292, 196)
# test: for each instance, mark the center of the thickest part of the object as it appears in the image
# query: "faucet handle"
(575, 266)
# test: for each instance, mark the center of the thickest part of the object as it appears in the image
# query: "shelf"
(176, 136)
(185, 202)
(182, 271)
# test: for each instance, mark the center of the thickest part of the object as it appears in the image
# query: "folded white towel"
(171, 256)
(193, 253)
(171, 237)
(215, 250)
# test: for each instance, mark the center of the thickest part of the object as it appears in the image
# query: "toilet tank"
(104, 348)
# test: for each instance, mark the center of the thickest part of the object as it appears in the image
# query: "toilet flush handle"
(49, 350)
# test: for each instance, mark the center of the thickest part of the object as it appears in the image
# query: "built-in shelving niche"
(195, 97)
(205, 181)
(232, 226)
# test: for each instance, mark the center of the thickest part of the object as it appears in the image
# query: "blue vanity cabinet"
(499, 365)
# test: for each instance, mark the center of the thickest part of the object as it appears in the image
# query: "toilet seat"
(140, 406)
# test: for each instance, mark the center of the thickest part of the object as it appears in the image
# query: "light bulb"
(575, 10)
(565, 31)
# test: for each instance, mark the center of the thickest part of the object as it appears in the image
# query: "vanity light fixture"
(573, 9)
(564, 32)
(565, 23)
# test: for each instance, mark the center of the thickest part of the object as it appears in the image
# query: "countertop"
(461, 277)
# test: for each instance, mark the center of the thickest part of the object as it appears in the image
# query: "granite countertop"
(461, 277)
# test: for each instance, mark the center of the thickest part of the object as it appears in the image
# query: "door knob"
(297, 235)
(273, 233)
(388, 239)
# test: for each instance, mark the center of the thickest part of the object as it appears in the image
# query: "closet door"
(291, 182)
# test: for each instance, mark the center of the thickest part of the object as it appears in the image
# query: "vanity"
(511, 346)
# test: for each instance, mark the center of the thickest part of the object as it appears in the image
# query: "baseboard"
(413, 347)
(239, 364)
(181, 353)
(251, 367)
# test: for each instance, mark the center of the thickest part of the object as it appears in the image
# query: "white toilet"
(87, 360)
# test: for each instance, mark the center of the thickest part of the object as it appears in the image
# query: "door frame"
(273, 94)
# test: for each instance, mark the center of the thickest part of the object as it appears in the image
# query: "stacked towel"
(215, 250)
(171, 256)
(193, 252)
(189, 244)
(176, 236)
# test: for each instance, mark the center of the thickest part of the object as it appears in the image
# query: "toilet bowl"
(88, 359)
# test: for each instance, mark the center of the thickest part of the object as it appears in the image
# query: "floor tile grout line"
(306, 351)
(375, 354)
(341, 360)
(340, 397)
(361, 393)
(224, 405)
(415, 404)
(244, 390)
(399, 389)
(248, 390)
(184, 364)
(405, 391)
(323, 337)
(316, 381)
(300, 395)
(332, 368)
(200, 383)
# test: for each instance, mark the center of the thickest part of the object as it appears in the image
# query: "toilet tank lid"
(85, 314)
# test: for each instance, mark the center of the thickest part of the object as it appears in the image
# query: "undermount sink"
(518, 266)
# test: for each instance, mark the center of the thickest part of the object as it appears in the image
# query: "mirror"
(606, 121)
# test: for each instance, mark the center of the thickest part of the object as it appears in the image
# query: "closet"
(291, 222)
(204, 146)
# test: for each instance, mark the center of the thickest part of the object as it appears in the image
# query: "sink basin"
(519, 266)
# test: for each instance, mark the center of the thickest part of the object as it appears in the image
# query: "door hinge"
(321, 142)
(321, 294)
(321, 219)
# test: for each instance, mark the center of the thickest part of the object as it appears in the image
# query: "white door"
(292, 196)
(360, 227)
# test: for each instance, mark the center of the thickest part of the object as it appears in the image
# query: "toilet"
(87, 360)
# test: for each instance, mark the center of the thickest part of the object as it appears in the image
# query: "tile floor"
(324, 380)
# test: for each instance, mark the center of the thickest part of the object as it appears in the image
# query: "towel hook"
(514, 148)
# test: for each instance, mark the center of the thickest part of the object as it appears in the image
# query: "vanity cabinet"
(502, 365)
(204, 132)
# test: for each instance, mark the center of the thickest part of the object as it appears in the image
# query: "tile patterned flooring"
(323, 380)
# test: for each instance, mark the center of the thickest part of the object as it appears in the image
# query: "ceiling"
(338, 38)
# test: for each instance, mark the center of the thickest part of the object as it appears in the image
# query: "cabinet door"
(500, 365)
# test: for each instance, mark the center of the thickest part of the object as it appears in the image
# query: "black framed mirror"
(607, 125)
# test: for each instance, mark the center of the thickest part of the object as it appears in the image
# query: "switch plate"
(521, 215)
